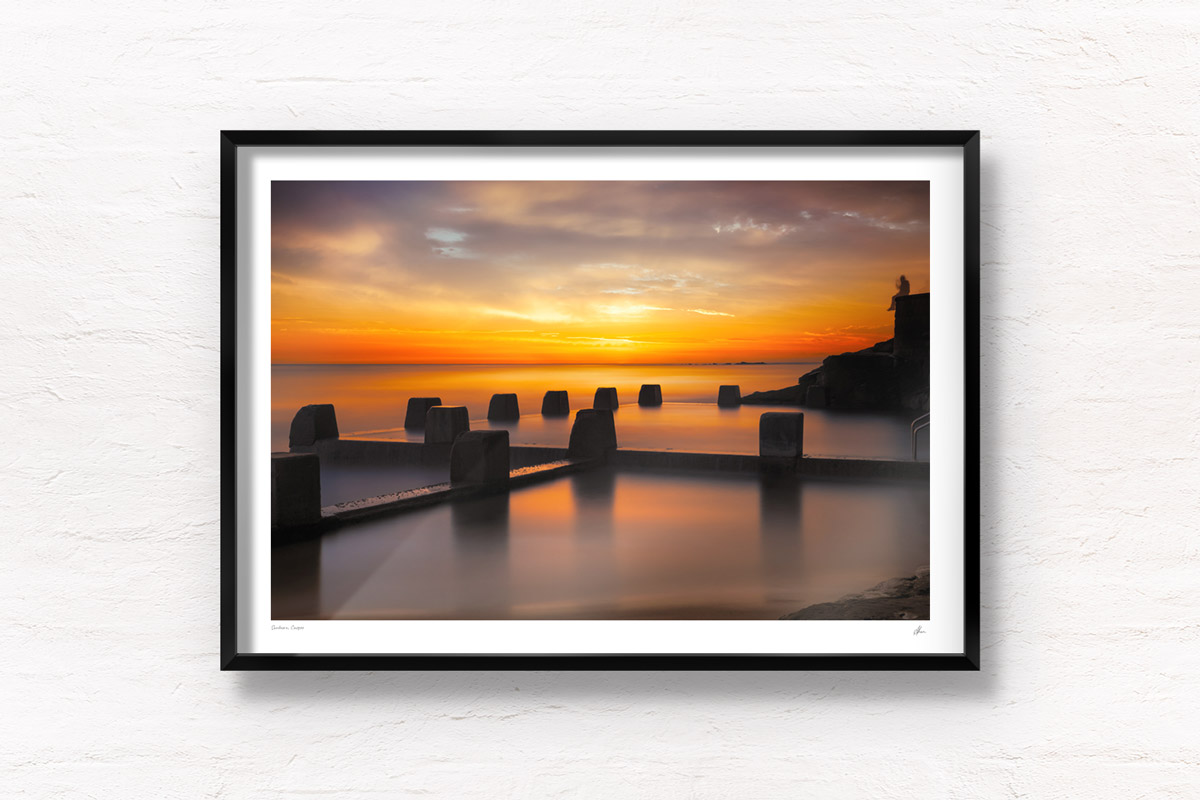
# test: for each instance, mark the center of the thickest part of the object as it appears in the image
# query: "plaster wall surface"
(1091, 399)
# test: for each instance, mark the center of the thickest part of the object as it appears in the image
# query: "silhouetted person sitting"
(901, 291)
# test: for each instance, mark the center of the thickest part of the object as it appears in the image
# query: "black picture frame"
(232, 140)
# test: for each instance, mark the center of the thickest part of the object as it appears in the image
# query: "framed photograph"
(600, 400)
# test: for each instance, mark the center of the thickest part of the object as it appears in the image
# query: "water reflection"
(595, 572)
(779, 529)
(480, 531)
(603, 545)
(342, 482)
(708, 428)
(592, 493)
(375, 397)
(296, 581)
(371, 401)
(779, 504)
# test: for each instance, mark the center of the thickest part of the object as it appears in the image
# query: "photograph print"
(600, 400)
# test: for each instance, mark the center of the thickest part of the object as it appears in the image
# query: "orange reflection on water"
(371, 403)
(374, 398)
(601, 545)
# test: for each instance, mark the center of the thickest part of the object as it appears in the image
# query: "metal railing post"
(918, 424)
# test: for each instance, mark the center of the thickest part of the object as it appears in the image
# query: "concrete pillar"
(418, 407)
(650, 395)
(781, 436)
(606, 399)
(295, 494)
(555, 404)
(312, 423)
(815, 397)
(594, 434)
(729, 396)
(504, 407)
(443, 424)
(479, 457)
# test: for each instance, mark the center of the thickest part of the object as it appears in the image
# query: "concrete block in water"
(815, 397)
(594, 434)
(480, 457)
(443, 424)
(295, 492)
(729, 396)
(418, 407)
(650, 395)
(606, 399)
(555, 404)
(781, 435)
(312, 423)
(504, 407)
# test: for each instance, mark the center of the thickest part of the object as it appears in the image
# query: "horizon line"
(535, 363)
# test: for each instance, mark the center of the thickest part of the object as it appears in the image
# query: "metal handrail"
(918, 424)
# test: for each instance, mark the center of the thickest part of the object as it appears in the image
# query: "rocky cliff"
(888, 375)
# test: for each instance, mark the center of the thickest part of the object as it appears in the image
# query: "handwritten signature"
(919, 631)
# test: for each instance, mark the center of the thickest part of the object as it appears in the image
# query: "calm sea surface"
(371, 402)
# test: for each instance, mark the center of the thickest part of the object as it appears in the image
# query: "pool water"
(614, 545)
(704, 428)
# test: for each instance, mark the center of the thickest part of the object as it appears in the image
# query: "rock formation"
(898, 598)
(889, 375)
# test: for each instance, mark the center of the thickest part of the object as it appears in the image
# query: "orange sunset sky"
(445, 272)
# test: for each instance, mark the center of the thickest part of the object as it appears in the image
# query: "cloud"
(445, 235)
(533, 316)
(628, 310)
(456, 252)
(749, 225)
(886, 224)
(666, 257)
(604, 340)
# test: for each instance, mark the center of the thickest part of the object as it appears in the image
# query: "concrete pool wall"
(593, 443)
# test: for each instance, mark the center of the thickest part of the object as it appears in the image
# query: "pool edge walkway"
(410, 499)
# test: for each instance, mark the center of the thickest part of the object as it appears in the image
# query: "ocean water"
(605, 545)
(371, 402)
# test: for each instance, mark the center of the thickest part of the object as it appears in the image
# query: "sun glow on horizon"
(596, 272)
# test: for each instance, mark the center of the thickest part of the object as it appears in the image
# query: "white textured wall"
(109, 324)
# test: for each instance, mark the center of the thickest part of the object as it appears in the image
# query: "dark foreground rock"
(787, 396)
(816, 379)
(887, 376)
(898, 598)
